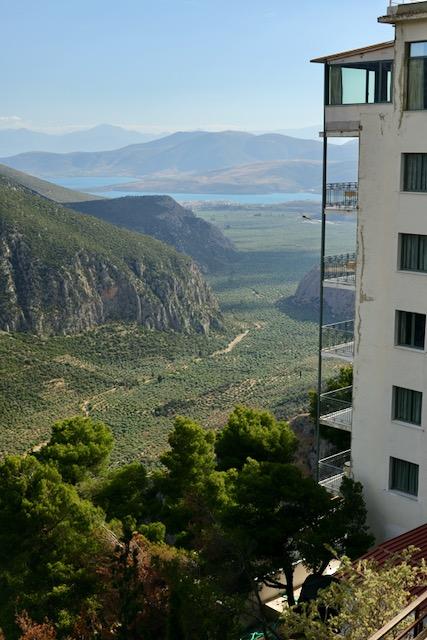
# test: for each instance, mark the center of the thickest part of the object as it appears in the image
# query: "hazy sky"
(174, 64)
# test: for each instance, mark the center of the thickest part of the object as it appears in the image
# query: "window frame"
(404, 420)
(356, 65)
(391, 480)
(397, 330)
(408, 57)
(400, 238)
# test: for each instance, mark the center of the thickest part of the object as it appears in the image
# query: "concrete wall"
(384, 212)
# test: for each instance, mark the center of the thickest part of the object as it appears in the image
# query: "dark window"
(412, 252)
(417, 76)
(404, 476)
(415, 171)
(361, 83)
(410, 329)
(407, 405)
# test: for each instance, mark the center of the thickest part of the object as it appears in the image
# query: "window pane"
(415, 172)
(416, 83)
(413, 252)
(410, 329)
(371, 87)
(353, 85)
(404, 476)
(418, 49)
(361, 83)
(419, 330)
(407, 405)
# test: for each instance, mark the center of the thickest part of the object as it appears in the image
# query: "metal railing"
(338, 340)
(394, 3)
(342, 195)
(340, 269)
(409, 624)
(332, 470)
(336, 408)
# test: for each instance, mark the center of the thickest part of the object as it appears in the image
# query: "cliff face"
(338, 303)
(61, 272)
(163, 218)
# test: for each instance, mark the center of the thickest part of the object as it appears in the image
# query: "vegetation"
(111, 373)
(83, 551)
(365, 598)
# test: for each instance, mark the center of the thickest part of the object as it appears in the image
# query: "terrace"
(336, 409)
(338, 340)
(340, 271)
(342, 196)
(332, 470)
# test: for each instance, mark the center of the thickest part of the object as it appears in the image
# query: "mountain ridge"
(182, 152)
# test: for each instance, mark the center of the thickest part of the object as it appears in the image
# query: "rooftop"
(414, 538)
(357, 52)
(409, 10)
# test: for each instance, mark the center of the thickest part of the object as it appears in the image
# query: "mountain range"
(63, 272)
(182, 156)
(158, 216)
(99, 138)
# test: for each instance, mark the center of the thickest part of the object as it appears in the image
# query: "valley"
(137, 380)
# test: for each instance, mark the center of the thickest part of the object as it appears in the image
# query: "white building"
(378, 94)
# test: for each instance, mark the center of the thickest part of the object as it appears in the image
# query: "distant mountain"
(63, 272)
(194, 152)
(99, 138)
(44, 188)
(280, 176)
(164, 219)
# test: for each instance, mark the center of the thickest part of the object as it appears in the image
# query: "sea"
(94, 185)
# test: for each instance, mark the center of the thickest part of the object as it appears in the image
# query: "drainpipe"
(322, 270)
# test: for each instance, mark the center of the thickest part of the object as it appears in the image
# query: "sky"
(167, 65)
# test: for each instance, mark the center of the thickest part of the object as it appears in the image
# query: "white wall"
(383, 213)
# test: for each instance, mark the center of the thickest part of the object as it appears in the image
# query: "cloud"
(11, 121)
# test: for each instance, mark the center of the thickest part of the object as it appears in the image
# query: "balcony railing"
(340, 271)
(333, 469)
(338, 340)
(409, 624)
(336, 409)
(342, 195)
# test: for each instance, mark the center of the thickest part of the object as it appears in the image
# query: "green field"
(138, 380)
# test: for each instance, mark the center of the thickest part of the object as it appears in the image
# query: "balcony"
(342, 196)
(340, 271)
(333, 469)
(338, 340)
(336, 409)
(409, 624)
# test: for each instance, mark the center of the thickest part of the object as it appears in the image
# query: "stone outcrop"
(63, 273)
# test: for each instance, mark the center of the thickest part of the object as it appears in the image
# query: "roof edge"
(354, 52)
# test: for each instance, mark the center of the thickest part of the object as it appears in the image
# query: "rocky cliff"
(62, 272)
(338, 303)
(163, 218)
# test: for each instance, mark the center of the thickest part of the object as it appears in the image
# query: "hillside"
(280, 176)
(44, 188)
(186, 152)
(164, 219)
(62, 272)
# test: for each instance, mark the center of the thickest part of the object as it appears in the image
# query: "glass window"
(407, 405)
(361, 83)
(415, 172)
(412, 252)
(417, 76)
(410, 329)
(404, 476)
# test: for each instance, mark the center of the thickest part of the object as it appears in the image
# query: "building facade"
(378, 95)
